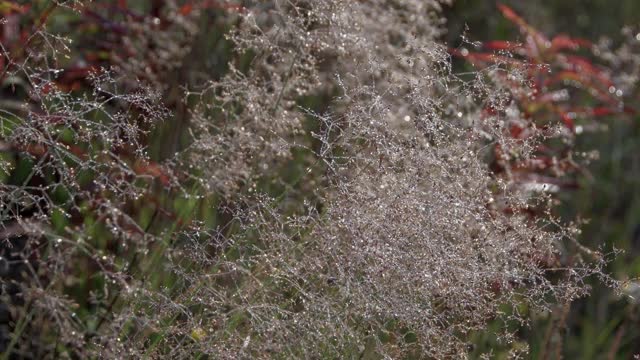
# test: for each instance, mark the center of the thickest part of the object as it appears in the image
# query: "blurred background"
(605, 325)
(589, 19)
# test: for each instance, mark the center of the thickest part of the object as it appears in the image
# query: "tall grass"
(273, 179)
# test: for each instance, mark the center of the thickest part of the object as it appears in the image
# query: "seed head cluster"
(364, 224)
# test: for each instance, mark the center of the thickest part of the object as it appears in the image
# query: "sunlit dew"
(397, 223)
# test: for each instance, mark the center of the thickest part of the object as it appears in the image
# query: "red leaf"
(487, 58)
(511, 15)
(515, 131)
(586, 67)
(579, 77)
(186, 9)
(602, 111)
(153, 170)
(567, 120)
(564, 42)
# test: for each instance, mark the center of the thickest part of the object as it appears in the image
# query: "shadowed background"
(605, 325)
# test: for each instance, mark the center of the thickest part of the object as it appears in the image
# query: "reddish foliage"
(154, 170)
(560, 87)
(18, 37)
